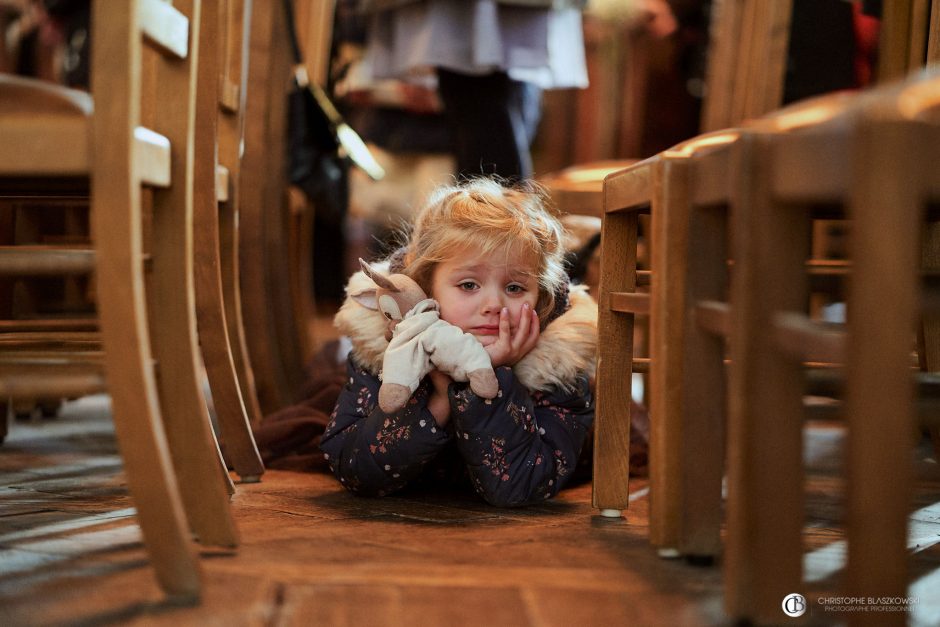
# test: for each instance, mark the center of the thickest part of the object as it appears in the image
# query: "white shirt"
(540, 46)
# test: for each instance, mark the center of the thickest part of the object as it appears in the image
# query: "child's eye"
(467, 285)
(515, 289)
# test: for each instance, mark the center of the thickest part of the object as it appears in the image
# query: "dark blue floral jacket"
(518, 448)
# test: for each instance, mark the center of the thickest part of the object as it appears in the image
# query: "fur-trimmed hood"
(566, 347)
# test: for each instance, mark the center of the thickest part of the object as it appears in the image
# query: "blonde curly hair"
(493, 218)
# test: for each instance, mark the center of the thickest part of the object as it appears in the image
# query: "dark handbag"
(314, 161)
(321, 146)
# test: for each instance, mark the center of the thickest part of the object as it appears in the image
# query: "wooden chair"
(232, 97)
(59, 141)
(689, 266)
(909, 37)
(865, 157)
(688, 222)
(626, 195)
(894, 149)
(216, 94)
(747, 61)
(264, 261)
(739, 29)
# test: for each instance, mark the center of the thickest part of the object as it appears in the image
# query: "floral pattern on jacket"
(518, 448)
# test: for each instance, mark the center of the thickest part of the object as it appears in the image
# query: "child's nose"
(492, 301)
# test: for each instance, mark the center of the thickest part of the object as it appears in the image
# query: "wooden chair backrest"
(749, 41)
(747, 61)
(910, 37)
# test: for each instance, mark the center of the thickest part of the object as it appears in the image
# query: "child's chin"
(486, 340)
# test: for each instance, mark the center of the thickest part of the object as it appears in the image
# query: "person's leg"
(487, 115)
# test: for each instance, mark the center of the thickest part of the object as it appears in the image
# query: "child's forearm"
(439, 400)
(439, 406)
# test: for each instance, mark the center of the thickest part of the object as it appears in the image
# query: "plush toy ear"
(380, 279)
(366, 298)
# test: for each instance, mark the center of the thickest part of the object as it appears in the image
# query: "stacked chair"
(215, 208)
(140, 154)
(734, 351)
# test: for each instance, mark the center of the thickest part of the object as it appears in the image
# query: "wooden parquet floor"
(311, 554)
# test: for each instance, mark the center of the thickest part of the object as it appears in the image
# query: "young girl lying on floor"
(492, 257)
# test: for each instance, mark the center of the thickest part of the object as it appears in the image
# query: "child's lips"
(486, 329)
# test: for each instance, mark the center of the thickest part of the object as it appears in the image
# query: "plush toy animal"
(420, 341)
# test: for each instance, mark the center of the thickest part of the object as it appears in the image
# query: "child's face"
(472, 289)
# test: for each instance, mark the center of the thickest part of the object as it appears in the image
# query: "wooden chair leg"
(666, 330)
(143, 444)
(765, 487)
(140, 432)
(188, 427)
(240, 448)
(173, 329)
(614, 366)
(116, 225)
(210, 310)
(4, 420)
(689, 388)
(879, 393)
(928, 345)
(231, 295)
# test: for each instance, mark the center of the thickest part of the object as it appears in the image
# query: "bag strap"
(300, 71)
(292, 30)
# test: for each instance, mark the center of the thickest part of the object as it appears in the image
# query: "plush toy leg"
(393, 396)
(483, 382)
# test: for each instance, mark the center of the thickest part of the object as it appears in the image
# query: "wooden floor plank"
(314, 554)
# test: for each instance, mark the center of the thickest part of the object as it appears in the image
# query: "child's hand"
(511, 346)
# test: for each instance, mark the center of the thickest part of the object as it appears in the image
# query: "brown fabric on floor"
(289, 439)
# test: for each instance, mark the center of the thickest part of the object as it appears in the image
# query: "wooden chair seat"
(47, 132)
(45, 127)
(579, 189)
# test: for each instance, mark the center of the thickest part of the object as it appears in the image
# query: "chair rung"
(641, 365)
(928, 412)
(152, 157)
(221, 183)
(20, 342)
(48, 325)
(828, 267)
(803, 339)
(165, 26)
(714, 317)
(630, 302)
(33, 378)
(229, 96)
(45, 260)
